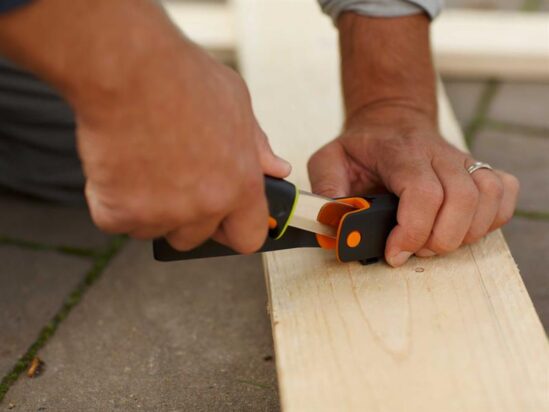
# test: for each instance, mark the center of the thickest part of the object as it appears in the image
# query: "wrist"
(386, 66)
(397, 116)
(394, 112)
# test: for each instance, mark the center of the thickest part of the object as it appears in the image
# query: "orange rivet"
(354, 238)
(272, 223)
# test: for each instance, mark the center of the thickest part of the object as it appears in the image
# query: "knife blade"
(306, 210)
(297, 208)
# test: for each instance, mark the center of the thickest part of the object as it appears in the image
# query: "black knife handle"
(281, 197)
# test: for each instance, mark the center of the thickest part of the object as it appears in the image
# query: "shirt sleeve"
(7, 5)
(382, 8)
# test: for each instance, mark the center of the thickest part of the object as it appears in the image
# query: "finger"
(245, 229)
(456, 214)
(271, 164)
(220, 237)
(189, 236)
(511, 188)
(421, 196)
(490, 189)
(328, 171)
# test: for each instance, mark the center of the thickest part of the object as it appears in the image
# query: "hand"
(182, 156)
(167, 137)
(441, 205)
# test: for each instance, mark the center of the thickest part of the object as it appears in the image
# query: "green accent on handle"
(292, 210)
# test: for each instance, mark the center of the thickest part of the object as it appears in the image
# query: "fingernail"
(399, 259)
(287, 164)
(425, 253)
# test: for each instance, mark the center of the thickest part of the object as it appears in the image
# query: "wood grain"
(457, 333)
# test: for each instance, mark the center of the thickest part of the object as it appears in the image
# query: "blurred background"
(52, 255)
(506, 123)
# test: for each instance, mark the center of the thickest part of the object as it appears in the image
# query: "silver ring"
(478, 165)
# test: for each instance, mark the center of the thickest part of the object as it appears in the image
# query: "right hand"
(167, 137)
(179, 154)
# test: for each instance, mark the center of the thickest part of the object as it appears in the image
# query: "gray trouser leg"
(37, 139)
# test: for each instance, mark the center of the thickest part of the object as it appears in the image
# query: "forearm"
(86, 47)
(386, 65)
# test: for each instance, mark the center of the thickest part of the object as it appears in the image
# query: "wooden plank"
(467, 43)
(209, 24)
(460, 334)
(501, 44)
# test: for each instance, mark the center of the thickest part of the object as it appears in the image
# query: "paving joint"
(506, 127)
(533, 214)
(255, 384)
(531, 5)
(100, 263)
(483, 105)
(37, 246)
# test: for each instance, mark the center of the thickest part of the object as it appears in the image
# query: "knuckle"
(311, 163)
(215, 203)
(492, 187)
(251, 245)
(504, 217)
(137, 216)
(215, 198)
(106, 222)
(319, 155)
(326, 189)
(179, 242)
(444, 244)
(470, 194)
(511, 182)
(253, 185)
(417, 234)
(473, 236)
(468, 197)
(140, 213)
(110, 219)
(431, 192)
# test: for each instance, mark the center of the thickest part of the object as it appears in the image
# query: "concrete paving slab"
(529, 243)
(191, 336)
(33, 285)
(41, 222)
(522, 103)
(526, 157)
(464, 96)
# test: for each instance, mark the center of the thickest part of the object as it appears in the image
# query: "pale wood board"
(209, 24)
(507, 45)
(502, 44)
(459, 335)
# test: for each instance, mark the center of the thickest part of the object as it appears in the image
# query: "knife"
(355, 227)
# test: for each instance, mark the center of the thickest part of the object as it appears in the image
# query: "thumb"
(271, 164)
(328, 171)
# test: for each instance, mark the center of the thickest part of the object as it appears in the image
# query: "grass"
(531, 131)
(531, 5)
(255, 384)
(101, 260)
(68, 250)
(532, 215)
(481, 112)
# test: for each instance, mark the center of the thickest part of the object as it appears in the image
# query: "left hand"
(441, 207)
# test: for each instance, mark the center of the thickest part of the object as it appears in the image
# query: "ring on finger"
(477, 166)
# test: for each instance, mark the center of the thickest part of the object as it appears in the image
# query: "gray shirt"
(382, 8)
